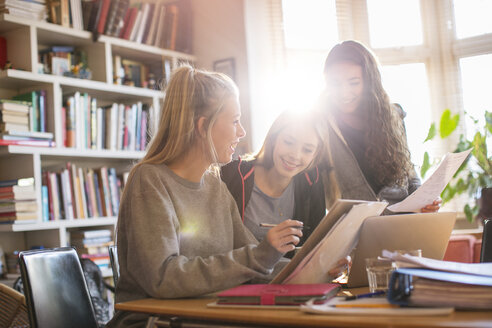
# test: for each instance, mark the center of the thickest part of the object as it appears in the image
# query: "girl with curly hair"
(366, 133)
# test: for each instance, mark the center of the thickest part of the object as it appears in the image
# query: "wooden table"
(197, 309)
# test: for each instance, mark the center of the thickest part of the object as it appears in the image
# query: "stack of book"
(23, 120)
(30, 9)
(18, 201)
(14, 115)
(93, 245)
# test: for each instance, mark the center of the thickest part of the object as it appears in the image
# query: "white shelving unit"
(24, 39)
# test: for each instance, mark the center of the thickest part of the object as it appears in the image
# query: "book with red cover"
(278, 294)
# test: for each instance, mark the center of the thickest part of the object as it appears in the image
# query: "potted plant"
(475, 175)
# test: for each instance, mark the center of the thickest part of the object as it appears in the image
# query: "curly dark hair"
(386, 150)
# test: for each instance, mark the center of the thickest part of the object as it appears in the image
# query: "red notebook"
(278, 294)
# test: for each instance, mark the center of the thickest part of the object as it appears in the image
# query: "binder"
(426, 287)
(276, 294)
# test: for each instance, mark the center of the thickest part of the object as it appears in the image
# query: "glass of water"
(378, 273)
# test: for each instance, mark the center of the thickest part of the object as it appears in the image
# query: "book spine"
(45, 203)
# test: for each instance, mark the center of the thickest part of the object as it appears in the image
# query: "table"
(197, 309)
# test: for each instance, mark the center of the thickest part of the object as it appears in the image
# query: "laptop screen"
(429, 232)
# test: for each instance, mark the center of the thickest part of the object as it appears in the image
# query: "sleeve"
(154, 261)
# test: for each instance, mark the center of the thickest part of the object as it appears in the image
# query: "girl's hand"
(434, 207)
(285, 236)
(341, 267)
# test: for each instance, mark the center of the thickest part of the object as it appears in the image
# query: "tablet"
(429, 232)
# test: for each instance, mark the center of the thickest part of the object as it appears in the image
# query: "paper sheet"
(337, 244)
(431, 189)
(483, 269)
(372, 308)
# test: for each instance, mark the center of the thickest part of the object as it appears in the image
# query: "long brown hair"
(386, 153)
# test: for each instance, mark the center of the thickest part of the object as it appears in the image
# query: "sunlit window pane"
(394, 23)
(476, 79)
(473, 17)
(407, 85)
(310, 24)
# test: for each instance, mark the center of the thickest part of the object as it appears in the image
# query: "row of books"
(157, 23)
(18, 200)
(76, 192)
(115, 127)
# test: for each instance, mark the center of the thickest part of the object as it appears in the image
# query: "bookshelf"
(24, 40)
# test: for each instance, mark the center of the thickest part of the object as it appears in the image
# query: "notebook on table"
(276, 294)
(429, 232)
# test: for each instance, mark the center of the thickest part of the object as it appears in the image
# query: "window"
(394, 23)
(472, 17)
(434, 54)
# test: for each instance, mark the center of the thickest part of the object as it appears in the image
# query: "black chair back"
(486, 251)
(113, 257)
(55, 289)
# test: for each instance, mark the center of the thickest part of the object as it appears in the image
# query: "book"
(31, 143)
(23, 195)
(333, 239)
(129, 23)
(30, 134)
(18, 206)
(31, 98)
(82, 234)
(17, 189)
(150, 39)
(159, 37)
(15, 105)
(19, 182)
(13, 118)
(270, 294)
(6, 127)
(45, 203)
(17, 216)
(102, 16)
(427, 287)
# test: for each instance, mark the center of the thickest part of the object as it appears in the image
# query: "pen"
(271, 225)
(366, 305)
(354, 297)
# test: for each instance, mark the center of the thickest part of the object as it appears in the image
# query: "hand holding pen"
(284, 236)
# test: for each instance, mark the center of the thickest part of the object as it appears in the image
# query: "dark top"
(309, 194)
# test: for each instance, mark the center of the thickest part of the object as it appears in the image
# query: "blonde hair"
(264, 156)
(190, 94)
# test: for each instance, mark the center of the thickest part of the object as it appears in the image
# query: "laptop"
(429, 232)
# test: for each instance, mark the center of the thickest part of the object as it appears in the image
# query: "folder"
(427, 287)
(275, 294)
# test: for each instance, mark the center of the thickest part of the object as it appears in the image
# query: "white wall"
(219, 33)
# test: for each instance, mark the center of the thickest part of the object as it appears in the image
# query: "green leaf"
(425, 165)
(448, 123)
(432, 132)
(468, 213)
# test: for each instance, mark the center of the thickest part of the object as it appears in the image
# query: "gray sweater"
(178, 238)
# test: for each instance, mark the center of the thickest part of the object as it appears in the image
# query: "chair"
(486, 252)
(460, 249)
(115, 266)
(13, 310)
(55, 289)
